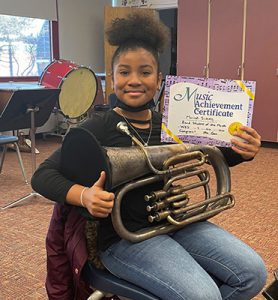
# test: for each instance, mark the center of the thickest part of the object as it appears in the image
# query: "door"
(192, 37)
(226, 38)
(261, 64)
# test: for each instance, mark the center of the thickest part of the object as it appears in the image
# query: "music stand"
(29, 107)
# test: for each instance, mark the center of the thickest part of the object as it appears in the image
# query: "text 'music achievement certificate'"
(205, 111)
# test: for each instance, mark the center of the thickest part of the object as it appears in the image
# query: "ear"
(159, 81)
(112, 82)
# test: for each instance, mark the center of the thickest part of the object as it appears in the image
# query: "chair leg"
(3, 157)
(20, 162)
(96, 295)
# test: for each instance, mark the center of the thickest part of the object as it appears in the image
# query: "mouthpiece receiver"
(122, 127)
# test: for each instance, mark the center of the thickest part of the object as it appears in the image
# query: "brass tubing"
(205, 173)
(175, 190)
(180, 203)
(183, 158)
(197, 205)
(194, 185)
(175, 198)
(202, 216)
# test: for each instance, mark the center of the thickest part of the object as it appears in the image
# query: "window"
(25, 47)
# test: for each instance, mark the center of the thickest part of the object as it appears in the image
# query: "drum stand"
(41, 106)
(70, 123)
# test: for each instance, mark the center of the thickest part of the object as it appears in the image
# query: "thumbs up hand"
(98, 202)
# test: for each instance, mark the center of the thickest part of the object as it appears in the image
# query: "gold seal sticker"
(234, 127)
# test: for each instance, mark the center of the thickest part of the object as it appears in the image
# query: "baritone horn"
(172, 164)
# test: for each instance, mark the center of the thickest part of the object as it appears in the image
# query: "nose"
(134, 79)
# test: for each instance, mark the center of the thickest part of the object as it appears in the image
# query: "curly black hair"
(140, 29)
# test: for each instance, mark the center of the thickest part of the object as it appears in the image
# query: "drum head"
(78, 92)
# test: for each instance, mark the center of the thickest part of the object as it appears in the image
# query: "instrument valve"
(159, 216)
(150, 208)
(156, 195)
(151, 218)
(149, 197)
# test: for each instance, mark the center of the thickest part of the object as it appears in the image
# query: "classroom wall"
(81, 32)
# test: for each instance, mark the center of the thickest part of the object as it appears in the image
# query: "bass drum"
(78, 86)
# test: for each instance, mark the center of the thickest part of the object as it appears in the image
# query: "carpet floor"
(23, 227)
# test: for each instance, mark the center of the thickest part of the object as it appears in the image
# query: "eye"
(146, 73)
(124, 72)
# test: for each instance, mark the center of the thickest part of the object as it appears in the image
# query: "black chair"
(271, 292)
(104, 284)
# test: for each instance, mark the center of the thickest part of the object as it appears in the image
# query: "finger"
(109, 197)
(104, 195)
(240, 144)
(251, 131)
(255, 141)
(100, 205)
(246, 141)
(245, 147)
(99, 215)
(100, 212)
(105, 204)
(101, 181)
(247, 151)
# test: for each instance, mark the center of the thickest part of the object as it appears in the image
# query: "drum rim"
(54, 61)
(45, 70)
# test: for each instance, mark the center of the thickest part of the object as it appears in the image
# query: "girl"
(199, 261)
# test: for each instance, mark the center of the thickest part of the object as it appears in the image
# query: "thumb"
(101, 181)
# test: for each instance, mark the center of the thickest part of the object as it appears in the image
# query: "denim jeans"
(200, 261)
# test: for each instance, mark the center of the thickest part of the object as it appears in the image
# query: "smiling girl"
(199, 261)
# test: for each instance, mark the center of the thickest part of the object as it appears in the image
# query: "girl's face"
(135, 77)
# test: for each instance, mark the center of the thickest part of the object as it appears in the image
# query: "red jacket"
(66, 255)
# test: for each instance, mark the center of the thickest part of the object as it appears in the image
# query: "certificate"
(205, 111)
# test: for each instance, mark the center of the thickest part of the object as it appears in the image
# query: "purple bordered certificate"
(205, 111)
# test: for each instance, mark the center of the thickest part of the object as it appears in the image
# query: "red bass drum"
(78, 86)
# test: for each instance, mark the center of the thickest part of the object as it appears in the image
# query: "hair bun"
(143, 26)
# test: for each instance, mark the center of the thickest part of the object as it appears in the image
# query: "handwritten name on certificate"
(206, 111)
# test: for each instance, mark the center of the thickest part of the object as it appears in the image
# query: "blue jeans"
(200, 261)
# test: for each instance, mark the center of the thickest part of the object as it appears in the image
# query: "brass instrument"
(167, 163)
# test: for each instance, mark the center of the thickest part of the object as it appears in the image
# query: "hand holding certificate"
(206, 111)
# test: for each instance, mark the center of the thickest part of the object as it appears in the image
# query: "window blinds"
(41, 9)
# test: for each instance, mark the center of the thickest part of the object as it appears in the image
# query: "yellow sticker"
(234, 127)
